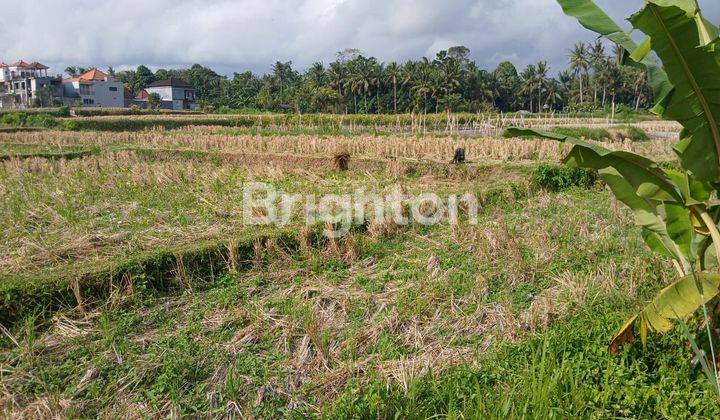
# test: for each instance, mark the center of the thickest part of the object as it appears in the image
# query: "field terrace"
(130, 285)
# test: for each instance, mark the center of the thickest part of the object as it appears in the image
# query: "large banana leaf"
(647, 179)
(678, 33)
(687, 87)
(677, 301)
(594, 18)
(654, 231)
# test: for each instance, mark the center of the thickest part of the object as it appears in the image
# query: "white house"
(94, 89)
(22, 82)
(175, 94)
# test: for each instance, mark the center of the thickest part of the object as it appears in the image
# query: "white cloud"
(237, 35)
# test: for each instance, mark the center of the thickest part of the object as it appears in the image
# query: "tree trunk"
(539, 98)
(394, 94)
(581, 88)
(377, 99)
(604, 95)
(595, 92)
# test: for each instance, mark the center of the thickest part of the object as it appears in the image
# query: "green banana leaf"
(654, 230)
(595, 19)
(677, 301)
(678, 35)
(659, 204)
(647, 179)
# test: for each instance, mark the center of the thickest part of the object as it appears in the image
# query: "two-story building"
(28, 84)
(94, 89)
(175, 94)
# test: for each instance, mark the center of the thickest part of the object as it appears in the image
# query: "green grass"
(598, 134)
(637, 134)
(185, 312)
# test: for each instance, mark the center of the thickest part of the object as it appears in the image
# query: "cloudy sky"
(239, 35)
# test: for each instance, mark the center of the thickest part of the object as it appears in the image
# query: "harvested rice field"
(137, 280)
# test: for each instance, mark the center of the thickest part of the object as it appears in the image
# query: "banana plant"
(677, 209)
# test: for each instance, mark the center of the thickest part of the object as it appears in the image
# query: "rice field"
(131, 286)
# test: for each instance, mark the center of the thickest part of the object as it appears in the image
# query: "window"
(113, 89)
(88, 101)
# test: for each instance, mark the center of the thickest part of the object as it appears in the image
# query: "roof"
(173, 82)
(93, 74)
(88, 76)
(21, 64)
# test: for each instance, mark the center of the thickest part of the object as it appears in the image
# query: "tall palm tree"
(316, 74)
(337, 73)
(361, 78)
(378, 76)
(424, 83)
(597, 59)
(541, 71)
(579, 63)
(527, 84)
(554, 94)
(393, 72)
(641, 79)
(409, 75)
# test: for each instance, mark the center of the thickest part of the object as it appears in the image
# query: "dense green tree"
(450, 81)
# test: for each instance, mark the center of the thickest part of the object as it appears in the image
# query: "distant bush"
(63, 111)
(559, 178)
(637, 134)
(598, 134)
(584, 107)
(24, 119)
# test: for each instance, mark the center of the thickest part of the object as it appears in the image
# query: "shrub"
(63, 111)
(584, 132)
(559, 178)
(637, 134)
(24, 119)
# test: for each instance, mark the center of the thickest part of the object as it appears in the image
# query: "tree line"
(355, 83)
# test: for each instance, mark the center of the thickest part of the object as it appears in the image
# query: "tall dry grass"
(426, 148)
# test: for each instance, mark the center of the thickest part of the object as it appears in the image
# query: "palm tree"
(409, 72)
(316, 74)
(554, 94)
(597, 59)
(641, 79)
(424, 83)
(541, 79)
(392, 73)
(527, 86)
(361, 78)
(579, 63)
(378, 70)
(338, 76)
(282, 73)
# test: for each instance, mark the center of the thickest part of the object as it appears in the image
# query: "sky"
(239, 35)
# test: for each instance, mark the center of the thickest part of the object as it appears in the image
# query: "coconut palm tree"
(597, 59)
(393, 72)
(337, 74)
(527, 84)
(541, 71)
(316, 74)
(579, 63)
(378, 76)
